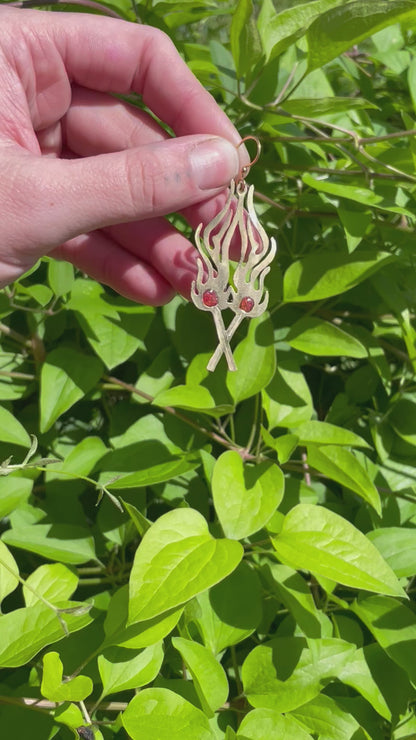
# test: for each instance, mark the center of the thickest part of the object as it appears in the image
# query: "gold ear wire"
(246, 169)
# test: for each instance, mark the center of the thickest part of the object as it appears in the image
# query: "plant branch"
(344, 172)
(170, 410)
(18, 376)
(4, 329)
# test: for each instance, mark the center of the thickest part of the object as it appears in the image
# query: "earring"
(217, 285)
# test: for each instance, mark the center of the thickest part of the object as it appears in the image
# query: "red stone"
(210, 298)
(247, 304)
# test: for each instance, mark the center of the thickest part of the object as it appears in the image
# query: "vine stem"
(236, 668)
(39, 596)
(19, 376)
(170, 410)
(101, 488)
(4, 329)
(346, 173)
(361, 141)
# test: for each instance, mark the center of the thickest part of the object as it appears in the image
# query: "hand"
(88, 179)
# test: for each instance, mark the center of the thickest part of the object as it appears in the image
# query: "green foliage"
(188, 555)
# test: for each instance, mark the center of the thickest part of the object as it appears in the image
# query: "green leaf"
(64, 542)
(402, 419)
(315, 539)
(393, 625)
(284, 445)
(411, 76)
(255, 360)
(264, 724)
(397, 545)
(162, 715)
(224, 62)
(11, 430)
(8, 566)
(230, 611)
(380, 681)
(158, 376)
(325, 717)
(66, 376)
(280, 30)
(15, 491)
(26, 631)
(321, 433)
(141, 522)
(114, 339)
(177, 559)
(157, 473)
(121, 669)
(40, 293)
(287, 400)
(381, 196)
(81, 460)
(207, 673)
(136, 636)
(324, 274)
(355, 221)
(285, 673)
(293, 591)
(339, 29)
(315, 107)
(245, 496)
(60, 277)
(342, 466)
(70, 715)
(145, 455)
(54, 582)
(317, 337)
(194, 397)
(54, 689)
(244, 38)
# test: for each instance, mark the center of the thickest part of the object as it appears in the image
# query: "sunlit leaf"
(314, 538)
(177, 559)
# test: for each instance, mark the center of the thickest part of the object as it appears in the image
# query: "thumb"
(80, 195)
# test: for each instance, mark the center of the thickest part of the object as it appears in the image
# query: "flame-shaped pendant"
(215, 288)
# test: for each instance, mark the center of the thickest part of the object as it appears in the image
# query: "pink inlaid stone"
(210, 298)
(247, 304)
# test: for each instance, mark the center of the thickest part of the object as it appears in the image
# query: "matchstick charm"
(216, 287)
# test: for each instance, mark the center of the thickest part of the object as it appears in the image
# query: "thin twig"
(18, 376)
(170, 410)
(4, 329)
(344, 172)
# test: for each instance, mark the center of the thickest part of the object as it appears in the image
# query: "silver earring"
(216, 286)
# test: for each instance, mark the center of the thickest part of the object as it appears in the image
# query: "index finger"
(117, 56)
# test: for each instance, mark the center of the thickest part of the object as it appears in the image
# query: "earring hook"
(246, 168)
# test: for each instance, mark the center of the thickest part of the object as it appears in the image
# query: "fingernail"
(214, 163)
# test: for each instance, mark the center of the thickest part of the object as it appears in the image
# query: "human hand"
(88, 179)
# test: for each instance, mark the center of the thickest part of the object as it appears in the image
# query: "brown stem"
(307, 474)
(294, 211)
(4, 329)
(43, 704)
(19, 376)
(344, 173)
(170, 410)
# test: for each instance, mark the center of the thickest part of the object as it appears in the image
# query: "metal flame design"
(215, 287)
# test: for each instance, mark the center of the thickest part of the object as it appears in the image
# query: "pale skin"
(88, 179)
